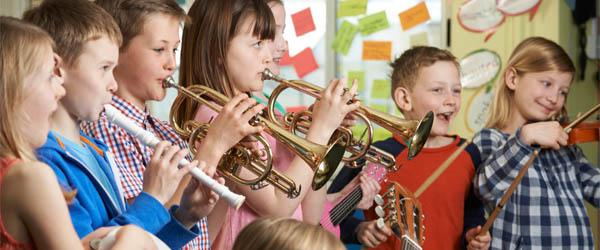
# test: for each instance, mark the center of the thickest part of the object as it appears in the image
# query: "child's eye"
(562, 92)
(546, 84)
(159, 50)
(457, 91)
(175, 50)
(105, 67)
(437, 90)
(256, 45)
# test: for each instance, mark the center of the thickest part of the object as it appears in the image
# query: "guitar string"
(334, 213)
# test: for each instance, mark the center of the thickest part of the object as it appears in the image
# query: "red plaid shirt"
(132, 157)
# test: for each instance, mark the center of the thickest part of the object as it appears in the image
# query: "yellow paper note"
(381, 134)
(352, 8)
(419, 39)
(414, 16)
(380, 89)
(377, 50)
(360, 75)
(373, 23)
(344, 37)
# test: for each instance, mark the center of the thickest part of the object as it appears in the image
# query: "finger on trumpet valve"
(259, 185)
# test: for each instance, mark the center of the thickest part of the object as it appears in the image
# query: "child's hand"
(162, 176)
(197, 200)
(476, 242)
(229, 127)
(370, 188)
(549, 134)
(370, 235)
(332, 107)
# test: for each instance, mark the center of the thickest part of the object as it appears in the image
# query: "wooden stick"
(507, 195)
(441, 169)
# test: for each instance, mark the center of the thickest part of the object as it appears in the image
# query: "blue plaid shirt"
(547, 209)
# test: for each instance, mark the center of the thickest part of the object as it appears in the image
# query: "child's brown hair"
(131, 15)
(405, 69)
(72, 23)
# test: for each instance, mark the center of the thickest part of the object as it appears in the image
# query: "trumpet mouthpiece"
(268, 75)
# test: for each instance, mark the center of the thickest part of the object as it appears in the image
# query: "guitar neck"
(347, 204)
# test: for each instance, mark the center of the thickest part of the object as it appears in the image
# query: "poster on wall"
(479, 68)
(478, 108)
(485, 16)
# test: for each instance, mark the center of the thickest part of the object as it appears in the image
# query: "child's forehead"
(439, 72)
(160, 26)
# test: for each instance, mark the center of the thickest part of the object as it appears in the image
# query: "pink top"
(236, 220)
(7, 242)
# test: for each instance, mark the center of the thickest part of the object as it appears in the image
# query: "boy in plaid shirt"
(147, 56)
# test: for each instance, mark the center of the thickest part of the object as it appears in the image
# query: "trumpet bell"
(327, 167)
(417, 141)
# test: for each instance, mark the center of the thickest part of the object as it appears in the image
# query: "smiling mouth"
(445, 116)
(277, 60)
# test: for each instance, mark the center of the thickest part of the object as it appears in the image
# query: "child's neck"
(65, 124)
(121, 92)
(514, 123)
(438, 141)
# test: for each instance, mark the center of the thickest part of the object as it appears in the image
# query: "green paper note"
(360, 75)
(344, 37)
(381, 134)
(380, 89)
(380, 107)
(373, 23)
(352, 8)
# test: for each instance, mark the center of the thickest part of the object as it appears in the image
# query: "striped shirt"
(547, 209)
(131, 156)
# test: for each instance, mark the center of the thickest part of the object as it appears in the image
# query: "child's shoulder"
(28, 176)
(391, 145)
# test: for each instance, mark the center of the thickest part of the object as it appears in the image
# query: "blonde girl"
(33, 210)
(285, 233)
(547, 209)
(225, 49)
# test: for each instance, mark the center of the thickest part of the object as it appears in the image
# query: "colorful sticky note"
(344, 37)
(419, 39)
(377, 50)
(373, 23)
(352, 8)
(304, 62)
(360, 75)
(303, 22)
(381, 89)
(414, 16)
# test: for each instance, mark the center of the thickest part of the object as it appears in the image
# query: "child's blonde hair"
(285, 233)
(21, 47)
(73, 23)
(534, 54)
(132, 15)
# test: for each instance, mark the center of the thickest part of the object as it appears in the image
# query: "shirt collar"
(131, 111)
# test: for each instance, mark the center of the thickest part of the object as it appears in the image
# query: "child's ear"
(402, 99)
(511, 78)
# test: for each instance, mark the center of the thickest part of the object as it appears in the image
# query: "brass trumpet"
(416, 132)
(322, 159)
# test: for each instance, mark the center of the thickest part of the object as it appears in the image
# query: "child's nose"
(170, 63)
(266, 55)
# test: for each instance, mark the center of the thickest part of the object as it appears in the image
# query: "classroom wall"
(553, 21)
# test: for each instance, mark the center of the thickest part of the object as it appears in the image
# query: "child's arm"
(502, 158)
(36, 198)
(588, 175)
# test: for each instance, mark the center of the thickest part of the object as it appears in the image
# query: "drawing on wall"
(479, 67)
(485, 16)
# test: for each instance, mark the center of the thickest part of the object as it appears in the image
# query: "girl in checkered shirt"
(547, 209)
